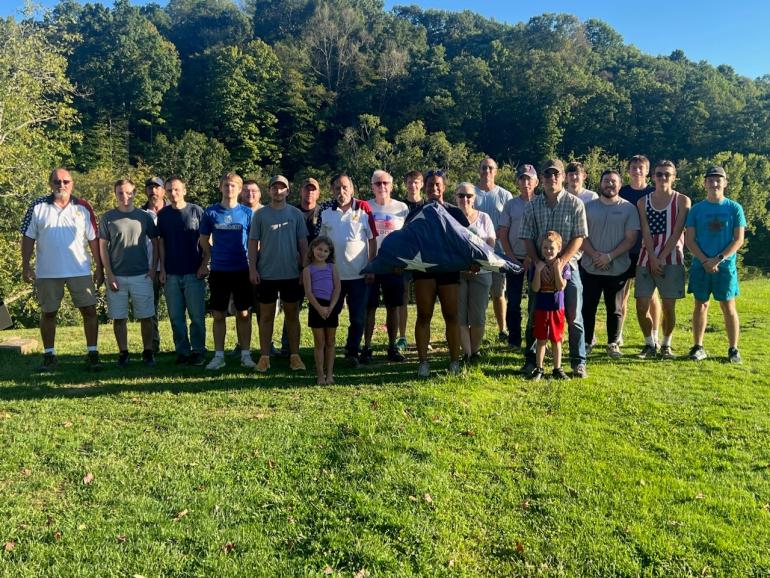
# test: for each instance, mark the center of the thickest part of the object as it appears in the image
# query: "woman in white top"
(474, 284)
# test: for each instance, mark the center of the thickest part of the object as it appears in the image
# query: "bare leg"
(556, 353)
(148, 331)
(266, 320)
(498, 305)
(425, 297)
(540, 353)
(656, 311)
(643, 315)
(391, 323)
(243, 329)
(371, 316)
(48, 328)
(732, 323)
(121, 334)
(90, 325)
(331, 336)
(699, 319)
(219, 328)
(669, 316)
(291, 315)
(449, 295)
(319, 353)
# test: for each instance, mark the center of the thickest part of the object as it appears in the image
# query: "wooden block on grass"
(22, 346)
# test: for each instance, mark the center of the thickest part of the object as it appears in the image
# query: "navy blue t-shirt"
(180, 229)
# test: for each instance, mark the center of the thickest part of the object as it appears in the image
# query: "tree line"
(311, 87)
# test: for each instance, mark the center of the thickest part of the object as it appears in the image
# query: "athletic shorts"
(391, 285)
(549, 325)
(51, 291)
(135, 288)
(723, 284)
(315, 321)
(289, 289)
(224, 284)
(440, 278)
(670, 285)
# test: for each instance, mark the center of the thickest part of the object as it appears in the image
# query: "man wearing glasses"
(491, 199)
(61, 226)
(559, 211)
(662, 214)
(389, 215)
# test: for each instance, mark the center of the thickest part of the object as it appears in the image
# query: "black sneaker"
(395, 355)
(648, 352)
(197, 359)
(528, 368)
(148, 356)
(50, 363)
(475, 358)
(535, 375)
(352, 361)
(123, 359)
(733, 356)
(366, 355)
(182, 359)
(502, 337)
(558, 373)
(92, 361)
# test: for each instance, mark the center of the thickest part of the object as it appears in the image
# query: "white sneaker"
(248, 362)
(423, 370)
(216, 362)
(613, 350)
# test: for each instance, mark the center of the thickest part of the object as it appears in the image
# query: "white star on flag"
(417, 264)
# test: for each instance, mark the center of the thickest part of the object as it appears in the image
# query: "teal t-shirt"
(714, 224)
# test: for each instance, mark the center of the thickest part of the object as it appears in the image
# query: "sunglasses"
(661, 174)
(465, 196)
(59, 182)
(436, 173)
(551, 173)
(381, 183)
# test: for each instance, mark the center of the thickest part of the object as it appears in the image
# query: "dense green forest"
(310, 87)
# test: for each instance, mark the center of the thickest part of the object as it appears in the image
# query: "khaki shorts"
(670, 285)
(497, 289)
(51, 291)
(139, 289)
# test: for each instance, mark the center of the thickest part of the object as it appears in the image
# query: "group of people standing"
(575, 246)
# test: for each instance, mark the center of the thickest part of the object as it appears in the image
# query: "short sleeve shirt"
(483, 228)
(388, 218)
(61, 235)
(278, 232)
(229, 230)
(714, 224)
(127, 234)
(567, 217)
(350, 233)
(511, 217)
(607, 226)
(493, 202)
(180, 230)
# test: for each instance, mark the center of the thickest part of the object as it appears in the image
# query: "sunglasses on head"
(59, 182)
(435, 173)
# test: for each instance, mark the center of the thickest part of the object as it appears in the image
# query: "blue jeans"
(513, 293)
(186, 294)
(573, 311)
(356, 291)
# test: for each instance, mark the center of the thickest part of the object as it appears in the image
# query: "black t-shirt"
(633, 195)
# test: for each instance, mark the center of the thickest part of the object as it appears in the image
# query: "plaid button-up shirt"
(567, 217)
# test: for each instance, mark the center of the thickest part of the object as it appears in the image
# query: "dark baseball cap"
(715, 171)
(553, 164)
(153, 182)
(526, 170)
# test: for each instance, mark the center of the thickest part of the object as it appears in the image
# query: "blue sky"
(719, 32)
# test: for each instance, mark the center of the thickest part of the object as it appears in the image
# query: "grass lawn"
(646, 468)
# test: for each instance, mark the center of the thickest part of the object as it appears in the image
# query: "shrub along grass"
(646, 468)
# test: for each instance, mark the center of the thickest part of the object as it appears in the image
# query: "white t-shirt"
(388, 218)
(61, 237)
(483, 228)
(350, 233)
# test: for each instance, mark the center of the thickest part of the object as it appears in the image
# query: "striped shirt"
(662, 223)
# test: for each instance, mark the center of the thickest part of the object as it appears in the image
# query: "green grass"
(646, 468)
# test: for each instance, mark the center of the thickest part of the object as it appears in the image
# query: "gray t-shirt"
(278, 231)
(511, 217)
(607, 226)
(492, 203)
(127, 235)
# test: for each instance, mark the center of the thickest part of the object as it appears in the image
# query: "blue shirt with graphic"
(714, 224)
(229, 230)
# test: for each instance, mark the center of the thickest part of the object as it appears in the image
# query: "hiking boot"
(535, 375)
(247, 362)
(50, 363)
(395, 355)
(148, 357)
(263, 364)
(697, 353)
(454, 368)
(733, 356)
(613, 351)
(295, 362)
(366, 355)
(123, 359)
(423, 370)
(197, 359)
(666, 352)
(648, 352)
(217, 362)
(401, 344)
(558, 373)
(92, 361)
(580, 371)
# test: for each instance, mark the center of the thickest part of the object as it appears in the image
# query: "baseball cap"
(278, 179)
(715, 171)
(311, 181)
(153, 182)
(527, 170)
(553, 164)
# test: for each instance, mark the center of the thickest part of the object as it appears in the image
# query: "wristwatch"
(721, 257)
